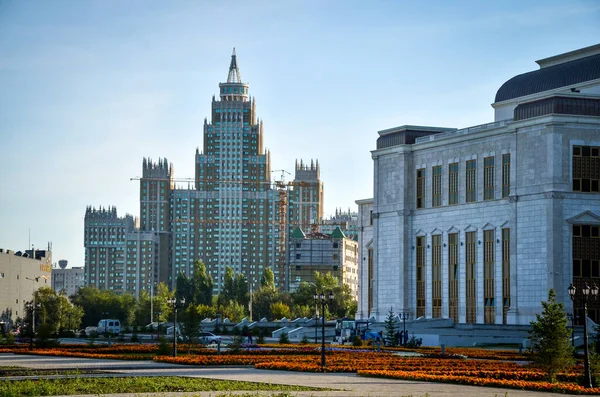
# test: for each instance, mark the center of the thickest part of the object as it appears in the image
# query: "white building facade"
(478, 224)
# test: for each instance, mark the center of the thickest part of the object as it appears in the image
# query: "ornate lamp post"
(404, 316)
(175, 304)
(582, 297)
(320, 300)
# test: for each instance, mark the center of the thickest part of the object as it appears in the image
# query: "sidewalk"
(344, 384)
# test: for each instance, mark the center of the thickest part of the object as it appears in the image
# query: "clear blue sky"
(88, 88)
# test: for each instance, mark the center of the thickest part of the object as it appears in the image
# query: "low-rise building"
(319, 252)
(21, 274)
(67, 280)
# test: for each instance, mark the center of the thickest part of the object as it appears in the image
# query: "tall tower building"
(306, 199)
(104, 242)
(236, 218)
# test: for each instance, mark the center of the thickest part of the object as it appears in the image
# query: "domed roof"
(551, 77)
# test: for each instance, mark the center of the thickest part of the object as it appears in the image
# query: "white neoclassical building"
(477, 224)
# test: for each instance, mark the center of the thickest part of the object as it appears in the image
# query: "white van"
(109, 326)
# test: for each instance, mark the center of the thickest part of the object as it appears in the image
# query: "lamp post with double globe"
(582, 297)
(320, 300)
(176, 304)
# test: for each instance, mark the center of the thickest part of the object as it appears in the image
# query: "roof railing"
(464, 131)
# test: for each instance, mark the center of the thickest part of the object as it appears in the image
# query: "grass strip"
(23, 371)
(160, 384)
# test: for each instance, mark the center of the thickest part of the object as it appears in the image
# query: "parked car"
(207, 338)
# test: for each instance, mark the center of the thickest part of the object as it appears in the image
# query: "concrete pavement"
(344, 384)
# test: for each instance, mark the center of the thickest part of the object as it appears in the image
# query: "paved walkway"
(344, 384)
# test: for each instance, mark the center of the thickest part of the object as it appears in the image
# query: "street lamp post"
(585, 294)
(175, 304)
(33, 307)
(320, 300)
(404, 317)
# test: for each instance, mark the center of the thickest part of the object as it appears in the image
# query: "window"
(420, 276)
(436, 185)
(471, 276)
(586, 263)
(488, 178)
(453, 276)
(586, 169)
(421, 188)
(453, 184)
(298, 256)
(488, 277)
(505, 273)
(505, 175)
(471, 181)
(436, 276)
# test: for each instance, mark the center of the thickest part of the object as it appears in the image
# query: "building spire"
(234, 73)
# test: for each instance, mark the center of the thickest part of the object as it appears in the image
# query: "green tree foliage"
(162, 310)
(54, 312)
(343, 305)
(235, 288)
(549, 337)
(190, 319)
(390, 332)
(262, 301)
(233, 311)
(280, 310)
(267, 279)
(196, 289)
(95, 302)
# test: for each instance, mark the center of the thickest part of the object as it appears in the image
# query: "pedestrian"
(405, 337)
(399, 338)
(250, 337)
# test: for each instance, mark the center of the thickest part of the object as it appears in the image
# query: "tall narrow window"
(453, 275)
(436, 186)
(586, 169)
(371, 277)
(586, 263)
(505, 273)
(471, 276)
(421, 188)
(471, 181)
(488, 178)
(436, 275)
(453, 184)
(505, 175)
(489, 285)
(420, 277)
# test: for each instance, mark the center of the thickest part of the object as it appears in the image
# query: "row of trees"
(235, 301)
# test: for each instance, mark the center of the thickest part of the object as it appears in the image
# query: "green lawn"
(163, 384)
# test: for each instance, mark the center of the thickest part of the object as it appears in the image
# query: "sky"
(88, 88)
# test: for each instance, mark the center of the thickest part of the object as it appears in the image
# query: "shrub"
(163, 347)
(261, 338)
(236, 345)
(284, 338)
(356, 341)
(304, 340)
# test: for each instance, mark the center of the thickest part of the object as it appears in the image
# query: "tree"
(262, 301)
(280, 310)
(196, 289)
(233, 311)
(549, 337)
(54, 313)
(390, 333)
(268, 278)
(343, 305)
(190, 322)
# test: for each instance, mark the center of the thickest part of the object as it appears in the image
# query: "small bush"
(357, 341)
(163, 347)
(135, 338)
(284, 338)
(304, 340)
(261, 338)
(236, 345)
